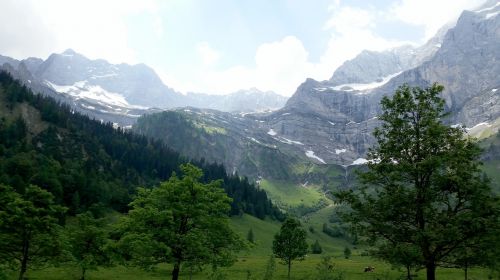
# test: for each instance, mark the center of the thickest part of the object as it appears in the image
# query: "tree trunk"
(289, 267)
(466, 270)
(83, 274)
(431, 270)
(24, 262)
(191, 273)
(175, 272)
(408, 273)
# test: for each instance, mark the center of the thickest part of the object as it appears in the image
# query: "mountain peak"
(69, 52)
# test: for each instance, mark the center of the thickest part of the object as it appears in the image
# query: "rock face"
(373, 67)
(327, 122)
(123, 81)
(131, 86)
(336, 121)
(370, 66)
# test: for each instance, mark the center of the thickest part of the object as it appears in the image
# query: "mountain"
(324, 124)
(122, 84)
(466, 63)
(251, 100)
(370, 68)
(85, 163)
(120, 93)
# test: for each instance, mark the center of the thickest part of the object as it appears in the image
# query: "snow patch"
(255, 140)
(456, 125)
(271, 132)
(494, 90)
(285, 114)
(287, 141)
(360, 161)
(490, 15)
(88, 107)
(84, 90)
(320, 89)
(339, 151)
(363, 87)
(331, 123)
(104, 76)
(479, 125)
(310, 154)
(489, 8)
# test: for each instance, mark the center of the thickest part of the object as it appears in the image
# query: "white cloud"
(282, 65)
(97, 29)
(208, 55)
(279, 66)
(430, 14)
(352, 30)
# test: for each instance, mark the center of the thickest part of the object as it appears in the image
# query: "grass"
(255, 267)
(290, 195)
(254, 261)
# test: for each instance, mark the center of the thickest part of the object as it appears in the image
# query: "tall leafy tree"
(289, 243)
(423, 188)
(183, 221)
(29, 229)
(87, 240)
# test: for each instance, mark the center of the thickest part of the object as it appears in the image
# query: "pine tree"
(316, 248)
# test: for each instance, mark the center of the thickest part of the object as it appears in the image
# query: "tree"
(325, 270)
(347, 252)
(407, 256)
(289, 243)
(87, 239)
(29, 229)
(181, 222)
(316, 248)
(423, 187)
(250, 237)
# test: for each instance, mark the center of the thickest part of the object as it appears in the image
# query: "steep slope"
(94, 107)
(466, 64)
(121, 84)
(90, 165)
(322, 124)
(104, 89)
(246, 145)
(371, 67)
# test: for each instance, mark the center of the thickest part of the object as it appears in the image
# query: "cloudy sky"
(220, 46)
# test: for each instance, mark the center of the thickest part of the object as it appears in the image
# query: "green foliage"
(183, 221)
(250, 237)
(423, 187)
(29, 232)
(85, 163)
(347, 252)
(316, 248)
(290, 242)
(87, 240)
(325, 270)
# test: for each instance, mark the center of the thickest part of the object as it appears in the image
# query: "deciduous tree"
(29, 230)
(87, 240)
(423, 187)
(183, 221)
(290, 243)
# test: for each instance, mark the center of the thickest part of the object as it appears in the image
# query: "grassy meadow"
(251, 264)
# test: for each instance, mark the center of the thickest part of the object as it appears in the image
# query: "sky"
(221, 46)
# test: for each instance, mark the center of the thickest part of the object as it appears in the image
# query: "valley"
(92, 137)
